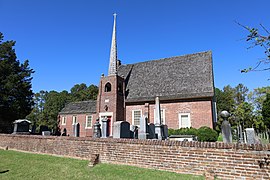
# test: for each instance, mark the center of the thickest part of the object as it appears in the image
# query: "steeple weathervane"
(113, 53)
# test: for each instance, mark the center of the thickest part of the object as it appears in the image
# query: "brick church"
(184, 85)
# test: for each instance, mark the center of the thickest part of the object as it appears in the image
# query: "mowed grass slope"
(19, 165)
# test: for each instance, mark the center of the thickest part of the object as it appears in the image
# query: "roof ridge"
(202, 52)
(84, 101)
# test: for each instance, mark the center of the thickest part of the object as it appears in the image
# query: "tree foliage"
(266, 111)
(15, 86)
(49, 104)
(245, 107)
(259, 38)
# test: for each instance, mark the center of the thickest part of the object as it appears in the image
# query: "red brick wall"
(225, 161)
(114, 100)
(81, 119)
(200, 112)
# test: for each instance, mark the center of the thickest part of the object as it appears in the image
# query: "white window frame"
(162, 115)
(133, 116)
(184, 114)
(74, 117)
(86, 122)
(64, 120)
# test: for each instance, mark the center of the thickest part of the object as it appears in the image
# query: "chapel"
(184, 85)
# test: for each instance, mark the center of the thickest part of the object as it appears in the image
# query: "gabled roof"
(79, 107)
(181, 77)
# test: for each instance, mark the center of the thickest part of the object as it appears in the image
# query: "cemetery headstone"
(121, 129)
(131, 130)
(33, 130)
(142, 129)
(97, 129)
(157, 111)
(165, 132)
(21, 126)
(104, 130)
(152, 134)
(64, 132)
(157, 121)
(43, 128)
(250, 133)
(134, 132)
(46, 133)
(77, 130)
(226, 128)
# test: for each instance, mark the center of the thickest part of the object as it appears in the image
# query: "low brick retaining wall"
(225, 161)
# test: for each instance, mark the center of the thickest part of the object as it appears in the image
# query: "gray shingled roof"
(188, 76)
(80, 107)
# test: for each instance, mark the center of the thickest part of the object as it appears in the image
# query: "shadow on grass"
(2, 172)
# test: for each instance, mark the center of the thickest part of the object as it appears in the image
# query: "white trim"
(133, 116)
(64, 120)
(163, 115)
(184, 114)
(86, 121)
(106, 114)
(73, 118)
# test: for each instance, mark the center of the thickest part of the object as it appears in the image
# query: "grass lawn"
(18, 165)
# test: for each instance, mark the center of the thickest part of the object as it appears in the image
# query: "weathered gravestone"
(64, 132)
(33, 130)
(142, 128)
(21, 126)
(97, 129)
(134, 132)
(226, 128)
(121, 129)
(43, 128)
(152, 134)
(104, 129)
(46, 133)
(76, 130)
(250, 133)
(157, 120)
(165, 132)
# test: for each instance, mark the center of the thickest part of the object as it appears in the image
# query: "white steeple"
(113, 53)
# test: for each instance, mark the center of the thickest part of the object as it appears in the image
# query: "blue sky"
(68, 41)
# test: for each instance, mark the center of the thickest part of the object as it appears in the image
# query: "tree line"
(47, 105)
(248, 108)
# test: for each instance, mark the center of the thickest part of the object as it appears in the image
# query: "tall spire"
(113, 53)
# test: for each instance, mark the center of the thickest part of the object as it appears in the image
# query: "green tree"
(54, 102)
(225, 101)
(48, 104)
(258, 96)
(80, 92)
(15, 86)
(244, 114)
(36, 115)
(266, 111)
(241, 92)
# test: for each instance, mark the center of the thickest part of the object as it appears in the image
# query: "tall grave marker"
(157, 120)
(226, 127)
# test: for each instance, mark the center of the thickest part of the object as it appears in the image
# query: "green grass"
(18, 165)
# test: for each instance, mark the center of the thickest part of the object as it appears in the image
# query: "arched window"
(108, 87)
